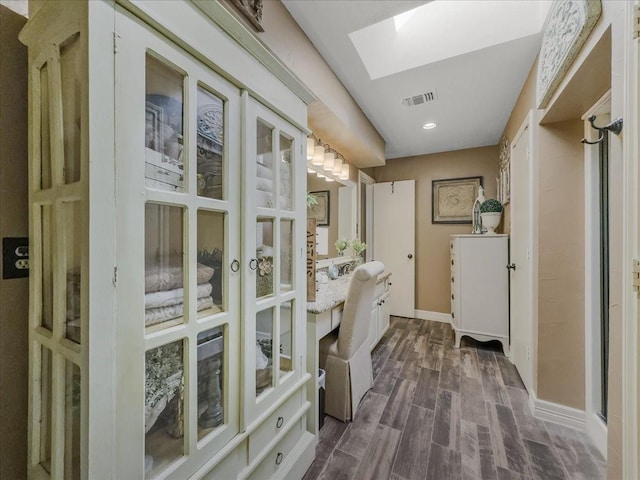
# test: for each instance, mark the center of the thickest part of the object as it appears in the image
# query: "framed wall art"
(320, 211)
(452, 199)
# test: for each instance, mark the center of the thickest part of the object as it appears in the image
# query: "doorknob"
(511, 266)
(410, 256)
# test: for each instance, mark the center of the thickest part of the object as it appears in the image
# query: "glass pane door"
(273, 220)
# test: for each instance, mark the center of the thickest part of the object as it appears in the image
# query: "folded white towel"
(153, 316)
(166, 298)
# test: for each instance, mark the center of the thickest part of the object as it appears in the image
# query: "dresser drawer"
(278, 454)
(274, 424)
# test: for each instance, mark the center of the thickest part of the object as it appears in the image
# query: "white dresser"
(480, 288)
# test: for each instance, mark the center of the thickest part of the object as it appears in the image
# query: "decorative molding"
(556, 413)
(434, 316)
(251, 10)
(504, 178)
(568, 25)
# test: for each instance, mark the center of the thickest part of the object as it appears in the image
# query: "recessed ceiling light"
(429, 125)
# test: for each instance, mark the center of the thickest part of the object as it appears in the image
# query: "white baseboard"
(556, 413)
(435, 316)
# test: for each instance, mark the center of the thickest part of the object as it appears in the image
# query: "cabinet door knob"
(452, 261)
(511, 266)
(235, 266)
(453, 315)
(410, 256)
(279, 422)
(253, 263)
(279, 458)
(452, 297)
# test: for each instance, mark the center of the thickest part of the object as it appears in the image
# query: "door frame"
(528, 127)
(595, 427)
(364, 179)
(631, 247)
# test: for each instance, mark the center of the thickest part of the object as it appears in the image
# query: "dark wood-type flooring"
(438, 413)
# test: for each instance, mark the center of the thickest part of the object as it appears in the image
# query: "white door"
(394, 240)
(520, 257)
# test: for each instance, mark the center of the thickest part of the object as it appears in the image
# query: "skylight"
(443, 29)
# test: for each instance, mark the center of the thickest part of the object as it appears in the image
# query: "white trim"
(595, 427)
(597, 432)
(631, 249)
(556, 413)
(434, 316)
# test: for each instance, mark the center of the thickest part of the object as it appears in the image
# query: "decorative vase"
(490, 220)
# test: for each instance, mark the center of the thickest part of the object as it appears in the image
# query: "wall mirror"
(342, 203)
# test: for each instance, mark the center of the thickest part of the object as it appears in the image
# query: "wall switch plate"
(15, 257)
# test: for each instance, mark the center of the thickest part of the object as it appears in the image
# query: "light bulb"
(329, 158)
(344, 175)
(337, 166)
(318, 155)
(310, 145)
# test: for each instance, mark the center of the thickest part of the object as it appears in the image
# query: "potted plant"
(341, 245)
(311, 200)
(358, 247)
(490, 212)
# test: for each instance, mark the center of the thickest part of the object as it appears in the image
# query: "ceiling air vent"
(420, 99)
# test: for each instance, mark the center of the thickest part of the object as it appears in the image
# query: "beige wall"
(315, 184)
(561, 360)
(13, 222)
(335, 117)
(432, 240)
(561, 319)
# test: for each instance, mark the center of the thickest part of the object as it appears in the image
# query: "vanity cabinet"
(480, 288)
(167, 233)
(380, 311)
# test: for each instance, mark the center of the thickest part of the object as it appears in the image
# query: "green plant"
(358, 246)
(311, 200)
(491, 206)
(341, 245)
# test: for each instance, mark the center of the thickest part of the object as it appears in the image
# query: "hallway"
(438, 413)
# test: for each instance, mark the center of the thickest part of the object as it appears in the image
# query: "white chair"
(345, 355)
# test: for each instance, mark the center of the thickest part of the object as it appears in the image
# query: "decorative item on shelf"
(477, 220)
(332, 271)
(341, 245)
(358, 247)
(490, 212)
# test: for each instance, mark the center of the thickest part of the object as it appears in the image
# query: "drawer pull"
(453, 315)
(279, 422)
(452, 298)
(451, 279)
(279, 458)
(452, 261)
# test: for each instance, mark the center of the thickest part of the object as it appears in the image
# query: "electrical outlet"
(15, 257)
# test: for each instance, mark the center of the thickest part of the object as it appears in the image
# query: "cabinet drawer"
(336, 316)
(234, 462)
(278, 454)
(274, 424)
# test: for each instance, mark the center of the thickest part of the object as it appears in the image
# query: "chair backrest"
(354, 326)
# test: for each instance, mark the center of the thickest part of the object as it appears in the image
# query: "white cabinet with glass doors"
(167, 234)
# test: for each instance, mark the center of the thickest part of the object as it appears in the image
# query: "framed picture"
(452, 199)
(320, 211)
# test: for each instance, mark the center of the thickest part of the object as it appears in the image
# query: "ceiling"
(471, 58)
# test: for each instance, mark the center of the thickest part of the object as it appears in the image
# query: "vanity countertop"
(334, 293)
